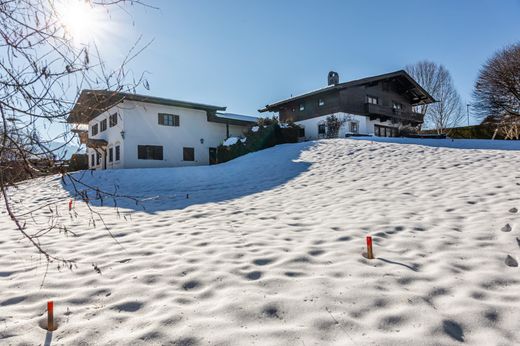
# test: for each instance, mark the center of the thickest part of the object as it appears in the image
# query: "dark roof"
(235, 116)
(232, 119)
(421, 96)
(91, 103)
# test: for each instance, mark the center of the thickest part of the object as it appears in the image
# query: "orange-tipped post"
(50, 315)
(370, 252)
(70, 205)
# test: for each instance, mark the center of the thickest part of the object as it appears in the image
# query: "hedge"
(267, 136)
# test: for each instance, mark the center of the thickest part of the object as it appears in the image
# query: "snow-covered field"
(450, 143)
(267, 250)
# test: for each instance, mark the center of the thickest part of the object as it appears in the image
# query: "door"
(212, 156)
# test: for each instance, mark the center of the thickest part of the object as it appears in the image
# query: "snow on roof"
(234, 116)
(79, 127)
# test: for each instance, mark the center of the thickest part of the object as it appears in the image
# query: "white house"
(131, 131)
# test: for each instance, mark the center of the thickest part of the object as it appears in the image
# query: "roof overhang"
(97, 143)
(232, 119)
(91, 103)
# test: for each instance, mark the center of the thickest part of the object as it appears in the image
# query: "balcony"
(391, 113)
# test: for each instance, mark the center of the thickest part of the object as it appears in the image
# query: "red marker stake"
(50, 315)
(70, 205)
(370, 253)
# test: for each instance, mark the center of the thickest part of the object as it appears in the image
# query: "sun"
(81, 20)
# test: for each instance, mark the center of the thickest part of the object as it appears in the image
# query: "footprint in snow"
(506, 228)
(510, 261)
(513, 210)
(518, 241)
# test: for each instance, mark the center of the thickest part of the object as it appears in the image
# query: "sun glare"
(81, 21)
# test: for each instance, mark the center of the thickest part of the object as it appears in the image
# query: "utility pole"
(467, 111)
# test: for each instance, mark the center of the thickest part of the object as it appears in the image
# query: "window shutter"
(157, 152)
(141, 152)
(188, 154)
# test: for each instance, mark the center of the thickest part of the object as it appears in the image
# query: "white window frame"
(354, 123)
(372, 100)
(117, 145)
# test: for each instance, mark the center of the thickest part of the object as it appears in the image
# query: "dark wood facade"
(395, 94)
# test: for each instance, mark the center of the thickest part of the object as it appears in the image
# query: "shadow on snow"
(158, 189)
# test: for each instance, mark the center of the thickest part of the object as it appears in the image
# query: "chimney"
(333, 78)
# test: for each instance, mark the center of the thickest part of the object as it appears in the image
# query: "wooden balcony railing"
(390, 112)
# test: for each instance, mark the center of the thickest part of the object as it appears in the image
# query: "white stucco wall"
(112, 135)
(365, 125)
(141, 127)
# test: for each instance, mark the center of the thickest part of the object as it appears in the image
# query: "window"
(149, 152)
(103, 125)
(169, 119)
(98, 158)
(302, 107)
(110, 154)
(188, 154)
(354, 128)
(321, 129)
(321, 103)
(92, 160)
(118, 153)
(372, 100)
(385, 131)
(94, 129)
(112, 120)
(301, 132)
(396, 105)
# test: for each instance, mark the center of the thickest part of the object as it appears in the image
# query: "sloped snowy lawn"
(267, 251)
(172, 188)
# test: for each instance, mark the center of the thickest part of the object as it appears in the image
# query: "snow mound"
(231, 141)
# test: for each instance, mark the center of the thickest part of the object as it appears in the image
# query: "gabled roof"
(91, 103)
(421, 96)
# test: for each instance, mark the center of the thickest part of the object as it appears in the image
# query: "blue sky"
(245, 54)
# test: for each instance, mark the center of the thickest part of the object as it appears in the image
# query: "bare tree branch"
(42, 72)
(436, 79)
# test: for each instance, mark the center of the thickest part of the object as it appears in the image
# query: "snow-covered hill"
(267, 250)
